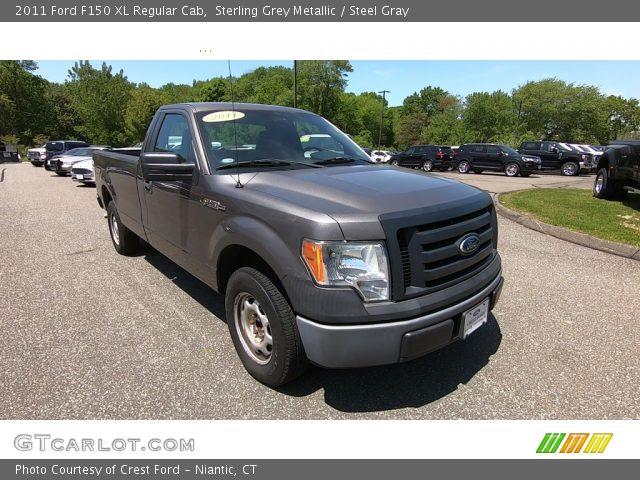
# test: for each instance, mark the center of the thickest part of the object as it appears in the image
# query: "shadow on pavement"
(200, 292)
(411, 384)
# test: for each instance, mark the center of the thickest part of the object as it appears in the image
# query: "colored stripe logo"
(574, 442)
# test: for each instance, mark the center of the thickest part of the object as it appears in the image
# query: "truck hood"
(356, 196)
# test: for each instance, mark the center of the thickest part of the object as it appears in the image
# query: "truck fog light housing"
(359, 265)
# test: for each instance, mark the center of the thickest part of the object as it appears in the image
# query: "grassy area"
(577, 210)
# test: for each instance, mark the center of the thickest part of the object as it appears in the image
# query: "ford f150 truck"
(322, 256)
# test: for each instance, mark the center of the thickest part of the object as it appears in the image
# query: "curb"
(582, 239)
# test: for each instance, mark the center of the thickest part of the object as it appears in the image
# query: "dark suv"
(498, 158)
(426, 157)
(618, 170)
(558, 155)
(60, 146)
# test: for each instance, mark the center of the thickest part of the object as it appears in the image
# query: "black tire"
(394, 163)
(570, 169)
(512, 169)
(427, 166)
(61, 174)
(285, 359)
(604, 187)
(36, 164)
(124, 240)
(463, 166)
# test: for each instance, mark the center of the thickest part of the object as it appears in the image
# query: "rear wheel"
(263, 328)
(511, 169)
(124, 240)
(463, 166)
(569, 169)
(427, 166)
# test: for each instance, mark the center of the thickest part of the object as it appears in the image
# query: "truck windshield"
(256, 138)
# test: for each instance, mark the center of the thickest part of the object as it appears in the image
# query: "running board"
(632, 189)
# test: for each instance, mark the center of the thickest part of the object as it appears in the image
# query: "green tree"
(489, 117)
(320, 83)
(215, 90)
(100, 99)
(21, 95)
(142, 106)
(59, 117)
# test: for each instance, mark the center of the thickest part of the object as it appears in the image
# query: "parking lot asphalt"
(89, 334)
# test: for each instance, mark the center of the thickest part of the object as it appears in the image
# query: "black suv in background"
(497, 158)
(618, 170)
(558, 155)
(426, 157)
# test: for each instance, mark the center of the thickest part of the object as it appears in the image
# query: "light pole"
(383, 92)
(295, 84)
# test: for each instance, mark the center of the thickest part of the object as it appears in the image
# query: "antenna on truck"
(235, 131)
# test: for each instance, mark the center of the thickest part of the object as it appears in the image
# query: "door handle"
(148, 185)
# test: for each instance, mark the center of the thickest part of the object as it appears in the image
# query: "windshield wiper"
(336, 160)
(256, 163)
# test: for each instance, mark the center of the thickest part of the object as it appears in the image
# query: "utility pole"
(383, 92)
(295, 84)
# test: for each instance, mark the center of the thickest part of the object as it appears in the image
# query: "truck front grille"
(81, 171)
(430, 255)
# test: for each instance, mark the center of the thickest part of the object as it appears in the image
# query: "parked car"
(559, 156)
(478, 157)
(58, 147)
(82, 172)
(425, 157)
(618, 170)
(37, 156)
(380, 156)
(61, 164)
(329, 260)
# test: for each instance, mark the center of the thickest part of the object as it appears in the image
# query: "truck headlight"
(360, 265)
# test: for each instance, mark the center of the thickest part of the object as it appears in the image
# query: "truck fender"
(261, 239)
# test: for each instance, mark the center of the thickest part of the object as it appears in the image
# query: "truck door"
(167, 202)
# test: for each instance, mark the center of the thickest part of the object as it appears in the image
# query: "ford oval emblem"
(469, 244)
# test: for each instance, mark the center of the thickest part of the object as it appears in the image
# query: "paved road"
(87, 333)
(495, 182)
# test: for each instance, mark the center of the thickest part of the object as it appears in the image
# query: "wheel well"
(603, 163)
(106, 196)
(235, 257)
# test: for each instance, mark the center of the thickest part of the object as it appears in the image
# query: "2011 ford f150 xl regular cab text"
(322, 256)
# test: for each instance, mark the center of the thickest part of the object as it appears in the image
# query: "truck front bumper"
(365, 345)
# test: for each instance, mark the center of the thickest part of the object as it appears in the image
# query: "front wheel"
(427, 166)
(464, 166)
(569, 169)
(263, 328)
(124, 240)
(395, 163)
(604, 187)
(511, 169)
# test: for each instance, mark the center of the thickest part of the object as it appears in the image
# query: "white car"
(83, 172)
(62, 164)
(380, 156)
(37, 156)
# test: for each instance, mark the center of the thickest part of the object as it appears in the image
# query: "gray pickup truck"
(322, 256)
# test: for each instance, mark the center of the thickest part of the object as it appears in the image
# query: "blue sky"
(402, 78)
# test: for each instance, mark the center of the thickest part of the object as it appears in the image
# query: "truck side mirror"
(165, 167)
(554, 149)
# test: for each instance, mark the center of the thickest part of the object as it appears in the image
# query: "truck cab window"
(175, 136)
